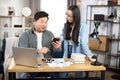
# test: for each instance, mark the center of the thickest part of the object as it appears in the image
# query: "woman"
(75, 36)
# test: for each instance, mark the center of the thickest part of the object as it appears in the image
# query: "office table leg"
(12, 76)
(102, 75)
(87, 74)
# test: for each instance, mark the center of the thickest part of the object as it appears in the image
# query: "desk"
(73, 68)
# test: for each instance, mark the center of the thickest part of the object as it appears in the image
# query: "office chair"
(1, 64)
(2, 59)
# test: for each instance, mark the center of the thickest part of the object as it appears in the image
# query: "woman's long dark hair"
(76, 23)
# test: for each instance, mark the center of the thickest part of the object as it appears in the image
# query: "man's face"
(41, 24)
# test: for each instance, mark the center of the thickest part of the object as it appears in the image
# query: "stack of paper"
(78, 58)
(59, 63)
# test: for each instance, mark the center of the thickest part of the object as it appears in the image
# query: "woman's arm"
(84, 32)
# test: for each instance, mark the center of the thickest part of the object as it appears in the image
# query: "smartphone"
(56, 39)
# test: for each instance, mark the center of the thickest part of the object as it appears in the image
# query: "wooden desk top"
(45, 68)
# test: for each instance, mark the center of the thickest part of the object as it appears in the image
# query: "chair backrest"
(2, 51)
(10, 42)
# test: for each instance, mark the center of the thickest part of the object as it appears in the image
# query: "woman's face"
(41, 24)
(69, 16)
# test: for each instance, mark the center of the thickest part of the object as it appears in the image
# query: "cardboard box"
(95, 45)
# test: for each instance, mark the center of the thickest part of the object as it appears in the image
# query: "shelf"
(114, 39)
(3, 16)
(103, 6)
(113, 68)
(15, 25)
(28, 27)
(107, 44)
(11, 28)
(111, 21)
(119, 52)
(113, 55)
(23, 16)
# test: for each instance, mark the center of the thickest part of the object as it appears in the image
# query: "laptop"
(25, 56)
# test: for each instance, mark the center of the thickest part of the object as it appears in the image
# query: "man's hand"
(57, 44)
(43, 50)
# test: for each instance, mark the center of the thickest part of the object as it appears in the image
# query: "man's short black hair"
(40, 14)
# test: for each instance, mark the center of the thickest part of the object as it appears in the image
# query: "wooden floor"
(108, 75)
(0, 76)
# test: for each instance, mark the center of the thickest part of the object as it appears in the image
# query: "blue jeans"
(32, 75)
(44, 74)
(77, 75)
(66, 74)
(69, 51)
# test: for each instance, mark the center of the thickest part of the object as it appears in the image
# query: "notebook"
(25, 56)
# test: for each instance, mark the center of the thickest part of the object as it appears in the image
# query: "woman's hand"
(43, 50)
(91, 59)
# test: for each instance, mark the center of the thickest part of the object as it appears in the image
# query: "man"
(38, 37)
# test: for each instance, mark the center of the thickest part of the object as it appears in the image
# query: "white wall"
(56, 10)
(17, 4)
(103, 27)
